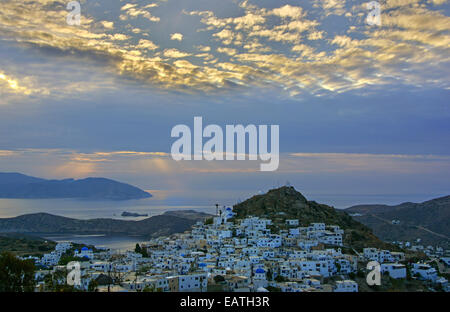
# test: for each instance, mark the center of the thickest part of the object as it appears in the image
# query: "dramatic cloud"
(290, 48)
(119, 81)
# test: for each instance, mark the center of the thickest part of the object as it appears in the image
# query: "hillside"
(16, 185)
(188, 214)
(286, 203)
(429, 220)
(25, 245)
(42, 223)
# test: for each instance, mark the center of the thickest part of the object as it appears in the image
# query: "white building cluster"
(248, 256)
(241, 256)
(52, 259)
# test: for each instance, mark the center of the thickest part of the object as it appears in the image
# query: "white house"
(193, 282)
(317, 227)
(446, 260)
(315, 267)
(62, 247)
(292, 222)
(102, 266)
(395, 270)
(260, 278)
(84, 253)
(424, 271)
(50, 259)
(331, 239)
(375, 254)
(346, 286)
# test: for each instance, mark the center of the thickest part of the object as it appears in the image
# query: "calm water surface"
(88, 209)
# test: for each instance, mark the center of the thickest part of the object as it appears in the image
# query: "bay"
(89, 209)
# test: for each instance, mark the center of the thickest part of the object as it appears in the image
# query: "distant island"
(133, 214)
(17, 185)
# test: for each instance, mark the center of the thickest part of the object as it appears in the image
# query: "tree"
(144, 252)
(56, 282)
(202, 278)
(219, 279)
(65, 259)
(48, 282)
(360, 274)
(16, 275)
(141, 250)
(149, 288)
(115, 277)
(143, 269)
(408, 273)
(93, 284)
(269, 275)
(273, 289)
(138, 249)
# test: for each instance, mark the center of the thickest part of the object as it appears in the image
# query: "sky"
(363, 109)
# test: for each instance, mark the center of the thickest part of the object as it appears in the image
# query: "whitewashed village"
(222, 254)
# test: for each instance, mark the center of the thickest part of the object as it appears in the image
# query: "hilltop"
(429, 220)
(17, 185)
(287, 203)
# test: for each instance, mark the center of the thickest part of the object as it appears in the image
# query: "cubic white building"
(424, 271)
(346, 286)
(395, 270)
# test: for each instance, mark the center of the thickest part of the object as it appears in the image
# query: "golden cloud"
(26, 86)
(176, 36)
(284, 47)
(133, 11)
